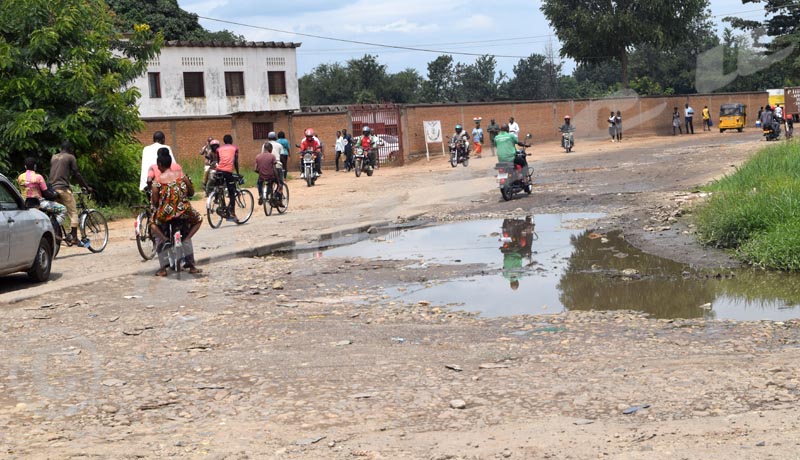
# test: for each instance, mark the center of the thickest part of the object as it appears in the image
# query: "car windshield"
(729, 110)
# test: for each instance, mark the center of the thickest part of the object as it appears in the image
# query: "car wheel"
(40, 270)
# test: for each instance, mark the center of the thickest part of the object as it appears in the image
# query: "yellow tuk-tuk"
(732, 116)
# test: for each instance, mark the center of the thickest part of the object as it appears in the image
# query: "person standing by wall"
(493, 130)
(618, 123)
(339, 148)
(348, 150)
(477, 137)
(513, 127)
(688, 116)
(676, 121)
(706, 119)
(612, 126)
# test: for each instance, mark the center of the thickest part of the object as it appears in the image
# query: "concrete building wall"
(254, 62)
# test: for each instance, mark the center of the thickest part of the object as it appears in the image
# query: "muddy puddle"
(550, 263)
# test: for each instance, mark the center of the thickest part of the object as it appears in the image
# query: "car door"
(21, 232)
(5, 227)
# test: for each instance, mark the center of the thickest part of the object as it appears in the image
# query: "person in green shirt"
(507, 149)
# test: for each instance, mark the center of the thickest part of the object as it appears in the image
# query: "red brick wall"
(640, 116)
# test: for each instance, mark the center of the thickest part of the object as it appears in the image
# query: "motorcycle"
(309, 159)
(567, 141)
(458, 153)
(772, 132)
(511, 179)
(361, 162)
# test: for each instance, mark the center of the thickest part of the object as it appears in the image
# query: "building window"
(276, 61)
(261, 129)
(276, 82)
(193, 84)
(234, 83)
(154, 80)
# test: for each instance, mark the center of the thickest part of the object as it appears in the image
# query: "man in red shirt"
(227, 162)
(312, 144)
(266, 169)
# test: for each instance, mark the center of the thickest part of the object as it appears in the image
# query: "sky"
(512, 28)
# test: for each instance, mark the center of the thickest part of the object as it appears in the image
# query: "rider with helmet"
(311, 143)
(369, 143)
(506, 143)
(462, 136)
(210, 156)
(567, 127)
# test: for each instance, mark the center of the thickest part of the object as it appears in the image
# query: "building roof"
(192, 44)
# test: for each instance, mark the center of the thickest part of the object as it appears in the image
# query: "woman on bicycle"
(34, 189)
(170, 201)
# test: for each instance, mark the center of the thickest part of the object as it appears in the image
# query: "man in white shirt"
(513, 127)
(150, 155)
(277, 148)
(688, 115)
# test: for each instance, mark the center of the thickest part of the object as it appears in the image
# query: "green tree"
(66, 75)
(405, 87)
(167, 17)
(596, 29)
(478, 81)
(327, 84)
(369, 78)
(440, 85)
(782, 26)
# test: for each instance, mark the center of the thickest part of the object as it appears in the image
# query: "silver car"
(26, 236)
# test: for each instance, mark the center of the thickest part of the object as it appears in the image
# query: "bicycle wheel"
(58, 235)
(145, 242)
(214, 203)
(283, 204)
(94, 228)
(267, 199)
(245, 204)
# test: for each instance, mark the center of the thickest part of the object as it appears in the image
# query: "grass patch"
(756, 210)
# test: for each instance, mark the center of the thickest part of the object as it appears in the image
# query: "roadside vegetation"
(756, 210)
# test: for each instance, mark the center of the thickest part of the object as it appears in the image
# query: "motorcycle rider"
(210, 161)
(311, 143)
(462, 137)
(517, 236)
(507, 152)
(277, 148)
(768, 122)
(567, 127)
(369, 143)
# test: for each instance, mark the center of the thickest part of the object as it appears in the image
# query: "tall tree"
(167, 17)
(440, 86)
(66, 75)
(478, 81)
(529, 78)
(782, 25)
(327, 84)
(596, 29)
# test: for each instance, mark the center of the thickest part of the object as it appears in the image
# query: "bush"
(779, 247)
(115, 176)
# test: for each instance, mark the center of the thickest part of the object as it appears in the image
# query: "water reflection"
(550, 265)
(516, 239)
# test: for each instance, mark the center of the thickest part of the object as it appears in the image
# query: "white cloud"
(476, 21)
(399, 26)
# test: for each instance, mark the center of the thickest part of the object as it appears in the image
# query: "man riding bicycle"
(227, 159)
(63, 165)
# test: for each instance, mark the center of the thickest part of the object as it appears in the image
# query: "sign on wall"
(433, 135)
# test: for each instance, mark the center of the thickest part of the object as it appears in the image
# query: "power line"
(357, 42)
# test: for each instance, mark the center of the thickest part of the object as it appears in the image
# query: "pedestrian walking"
(618, 123)
(494, 130)
(348, 150)
(688, 115)
(477, 137)
(612, 126)
(676, 122)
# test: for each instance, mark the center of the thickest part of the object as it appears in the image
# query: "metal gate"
(384, 121)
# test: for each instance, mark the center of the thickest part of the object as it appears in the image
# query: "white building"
(192, 79)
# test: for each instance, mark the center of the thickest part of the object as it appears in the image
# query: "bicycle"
(216, 207)
(174, 246)
(91, 223)
(145, 240)
(275, 195)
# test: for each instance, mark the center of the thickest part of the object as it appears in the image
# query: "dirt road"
(309, 358)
